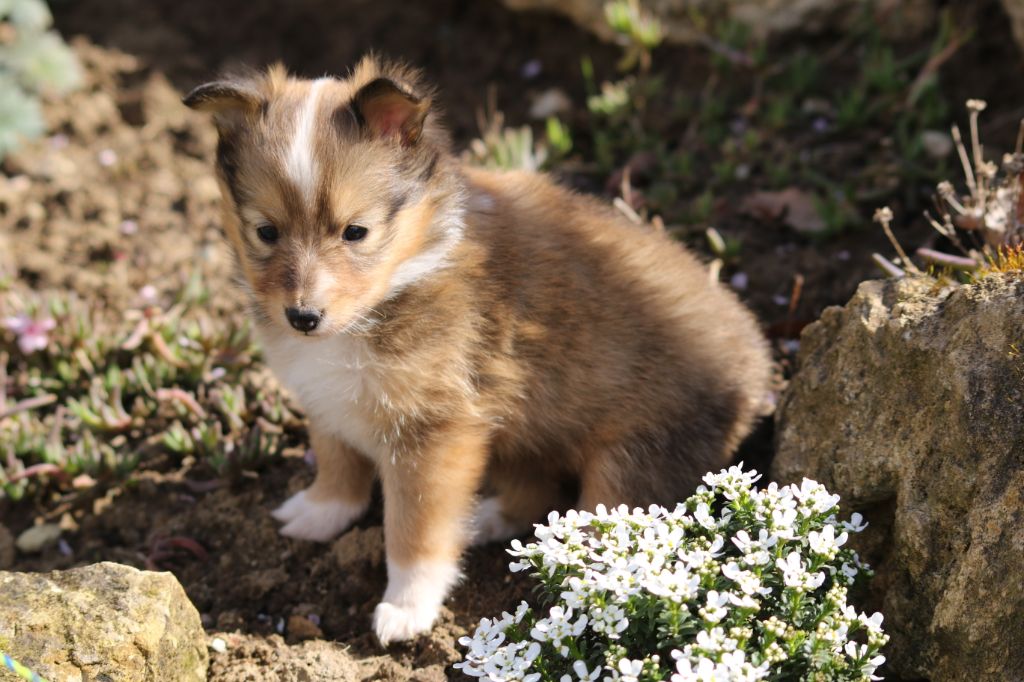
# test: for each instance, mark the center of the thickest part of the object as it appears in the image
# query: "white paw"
(490, 525)
(394, 623)
(315, 520)
(413, 598)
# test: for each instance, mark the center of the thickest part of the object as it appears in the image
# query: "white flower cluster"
(733, 584)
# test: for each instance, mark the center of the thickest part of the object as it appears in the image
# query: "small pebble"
(779, 299)
(937, 144)
(301, 627)
(816, 105)
(37, 538)
(218, 645)
(83, 482)
(107, 157)
(129, 227)
(551, 102)
(739, 281)
(148, 293)
(64, 548)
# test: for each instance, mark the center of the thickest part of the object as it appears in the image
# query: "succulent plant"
(84, 394)
(34, 61)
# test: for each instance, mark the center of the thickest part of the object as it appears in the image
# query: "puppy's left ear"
(387, 111)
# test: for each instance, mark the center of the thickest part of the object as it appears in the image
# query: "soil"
(121, 197)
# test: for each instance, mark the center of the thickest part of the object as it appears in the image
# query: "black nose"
(303, 319)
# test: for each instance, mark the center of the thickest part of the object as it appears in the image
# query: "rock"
(6, 548)
(301, 628)
(1015, 10)
(909, 403)
(102, 622)
(764, 18)
(37, 538)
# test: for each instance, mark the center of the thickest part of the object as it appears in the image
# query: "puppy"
(488, 345)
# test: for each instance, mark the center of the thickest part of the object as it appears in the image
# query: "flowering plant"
(734, 584)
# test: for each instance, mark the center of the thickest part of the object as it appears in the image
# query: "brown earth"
(120, 197)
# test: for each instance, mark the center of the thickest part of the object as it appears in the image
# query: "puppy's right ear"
(221, 97)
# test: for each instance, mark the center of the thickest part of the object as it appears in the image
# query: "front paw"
(315, 520)
(394, 623)
(413, 598)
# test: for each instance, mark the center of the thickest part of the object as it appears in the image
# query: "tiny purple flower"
(531, 69)
(32, 334)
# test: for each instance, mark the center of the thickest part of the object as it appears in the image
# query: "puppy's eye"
(267, 233)
(354, 233)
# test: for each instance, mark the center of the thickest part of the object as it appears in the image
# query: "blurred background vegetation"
(763, 138)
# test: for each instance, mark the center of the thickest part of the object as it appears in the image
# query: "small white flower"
(630, 669)
(714, 608)
(856, 523)
(826, 543)
(583, 675)
(795, 575)
(872, 622)
(703, 516)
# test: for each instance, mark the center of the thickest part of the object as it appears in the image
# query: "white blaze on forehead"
(300, 163)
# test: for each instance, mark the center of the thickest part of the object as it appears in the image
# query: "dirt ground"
(120, 197)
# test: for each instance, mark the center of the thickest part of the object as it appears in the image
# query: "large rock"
(764, 18)
(909, 403)
(1015, 11)
(102, 622)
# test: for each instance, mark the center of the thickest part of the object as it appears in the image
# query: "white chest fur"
(336, 381)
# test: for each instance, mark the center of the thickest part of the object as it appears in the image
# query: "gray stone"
(1015, 11)
(909, 403)
(35, 539)
(102, 622)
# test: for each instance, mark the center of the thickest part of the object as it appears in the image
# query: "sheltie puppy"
(489, 345)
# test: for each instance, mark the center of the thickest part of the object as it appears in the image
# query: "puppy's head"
(338, 193)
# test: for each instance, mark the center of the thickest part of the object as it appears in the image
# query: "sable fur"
(494, 333)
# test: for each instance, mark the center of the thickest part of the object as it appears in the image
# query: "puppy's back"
(633, 360)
